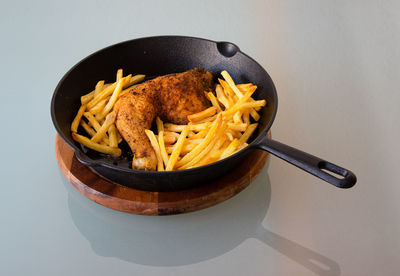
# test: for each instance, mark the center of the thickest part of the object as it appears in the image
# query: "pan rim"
(95, 163)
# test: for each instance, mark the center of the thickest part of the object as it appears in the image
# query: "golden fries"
(222, 98)
(238, 127)
(110, 119)
(211, 135)
(160, 125)
(186, 148)
(156, 148)
(119, 74)
(243, 106)
(169, 140)
(97, 109)
(87, 128)
(203, 114)
(113, 98)
(163, 151)
(230, 149)
(249, 131)
(203, 144)
(214, 101)
(179, 128)
(99, 106)
(177, 149)
(231, 84)
(112, 133)
(75, 122)
(98, 88)
(95, 146)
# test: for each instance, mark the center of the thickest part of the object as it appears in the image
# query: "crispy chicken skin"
(172, 97)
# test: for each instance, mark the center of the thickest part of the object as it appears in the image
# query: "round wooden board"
(129, 200)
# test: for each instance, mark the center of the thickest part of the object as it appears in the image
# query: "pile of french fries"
(212, 134)
(97, 118)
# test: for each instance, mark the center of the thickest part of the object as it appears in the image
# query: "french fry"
(254, 114)
(95, 146)
(244, 86)
(102, 95)
(119, 74)
(243, 106)
(247, 96)
(209, 119)
(199, 156)
(119, 137)
(203, 114)
(206, 150)
(206, 120)
(200, 134)
(87, 128)
(193, 141)
(133, 80)
(230, 149)
(222, 98)
(129, 85)
(179, 128)
(229, 136)
(214, 154)
(227, 89)
(203, 144)
(156, 147)
(110, 119)
(92, 120)
(246, 117)
(177, 149)
(231, 83)
(217, 154)
(75, 122)
(246, 135)
(87, 98)
(163, 151)
(169, 140)
(185, 148)
(242, 146)
(99, 106)
(91, 132)
(171, 133)
(160, 125)
(112, 134)
(248, 88)
(235, 134)
(242, 98)
(99, 87)
(237, 118)
(113, 98)
(238, 127)
(105, 92)
(214, 101)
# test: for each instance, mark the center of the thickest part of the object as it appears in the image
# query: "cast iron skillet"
(155, 56)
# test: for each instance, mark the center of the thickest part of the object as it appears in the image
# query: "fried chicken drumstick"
(171, 97)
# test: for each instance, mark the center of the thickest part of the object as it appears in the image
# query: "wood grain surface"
(129, 200)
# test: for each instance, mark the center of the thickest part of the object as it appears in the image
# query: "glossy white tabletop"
(336, 67)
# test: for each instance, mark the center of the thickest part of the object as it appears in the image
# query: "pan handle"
(309, 163)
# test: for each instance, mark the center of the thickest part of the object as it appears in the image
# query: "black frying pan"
(155, 56)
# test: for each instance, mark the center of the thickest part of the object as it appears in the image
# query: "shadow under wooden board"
(134, 201)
